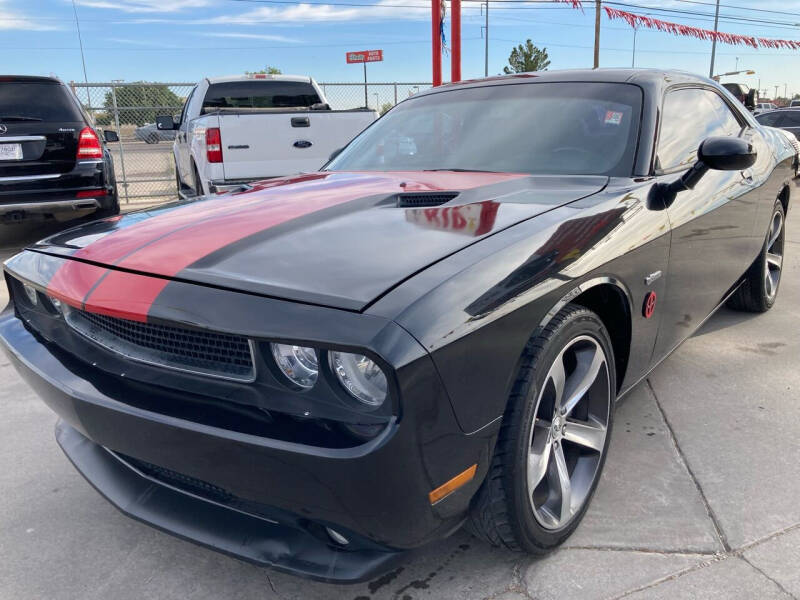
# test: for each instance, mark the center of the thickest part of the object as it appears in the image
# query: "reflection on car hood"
(331, 238)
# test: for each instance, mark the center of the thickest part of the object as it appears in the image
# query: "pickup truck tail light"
(213, 145)
(88, 145)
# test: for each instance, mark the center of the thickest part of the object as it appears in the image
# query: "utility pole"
(633, 58)
(714, 41)
(597, 8)
(486, 50)
(785, 91)
(776, 91)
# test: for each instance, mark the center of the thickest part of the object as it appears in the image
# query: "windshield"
(537, 128)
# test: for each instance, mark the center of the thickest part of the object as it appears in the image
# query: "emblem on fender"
(649, 306)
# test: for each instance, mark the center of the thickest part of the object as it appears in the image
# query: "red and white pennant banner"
(735, 39)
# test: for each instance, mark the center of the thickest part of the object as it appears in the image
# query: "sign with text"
(364, 56)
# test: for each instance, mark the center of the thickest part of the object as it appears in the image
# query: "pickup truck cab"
(234, 130)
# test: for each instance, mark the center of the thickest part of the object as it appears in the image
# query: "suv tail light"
(213, 145)
(89, 144)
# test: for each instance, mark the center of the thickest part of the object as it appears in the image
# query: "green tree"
(525, 58)
(385, 107)
(268, 70)
(141, 103)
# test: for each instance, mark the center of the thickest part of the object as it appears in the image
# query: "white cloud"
(11, 19)
(383, 10)
(144, 6)
(253, 36)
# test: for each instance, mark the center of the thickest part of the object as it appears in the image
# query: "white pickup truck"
(234, 130)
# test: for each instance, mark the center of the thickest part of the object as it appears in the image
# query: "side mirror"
(110, 135)
(726, 154)
(716, 153)
(165, 123)
(751, 99)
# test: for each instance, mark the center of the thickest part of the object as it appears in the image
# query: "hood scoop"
(424, 199)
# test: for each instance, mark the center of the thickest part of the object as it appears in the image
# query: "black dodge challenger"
(326, 371)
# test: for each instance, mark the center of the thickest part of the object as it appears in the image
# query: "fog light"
(31, 293)
(337, 537)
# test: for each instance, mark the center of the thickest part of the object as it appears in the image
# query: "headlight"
(360, 376)
(299, 363)
(30, 292)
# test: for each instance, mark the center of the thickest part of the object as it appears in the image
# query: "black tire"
(112, 210)
(197, 187)
(502, 511)
(758, 294)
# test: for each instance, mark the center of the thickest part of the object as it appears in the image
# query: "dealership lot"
(698, 499)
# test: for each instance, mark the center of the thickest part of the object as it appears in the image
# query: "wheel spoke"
(558, 377)
(537, 463)
(775, 232)
(770, 283)
(776, 260)
(590, 361)
(563, 483)
(589, 435)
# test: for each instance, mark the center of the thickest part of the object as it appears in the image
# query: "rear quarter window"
(260, 95)
(47, 102)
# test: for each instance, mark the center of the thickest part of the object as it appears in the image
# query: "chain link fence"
(143, 160)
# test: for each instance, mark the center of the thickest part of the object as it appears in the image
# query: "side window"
(186, 106)
(690, 116)
(791, 118)
(769, 119)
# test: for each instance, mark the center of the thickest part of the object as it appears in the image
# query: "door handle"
(748, 175)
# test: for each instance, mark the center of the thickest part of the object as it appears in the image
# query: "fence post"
(395, 93)
(119, 135)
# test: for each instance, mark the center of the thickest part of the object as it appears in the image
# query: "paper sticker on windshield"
(613, 117)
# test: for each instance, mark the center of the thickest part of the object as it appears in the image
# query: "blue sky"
(184, 40)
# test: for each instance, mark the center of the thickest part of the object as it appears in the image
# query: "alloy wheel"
(568, 437)
(774, 256)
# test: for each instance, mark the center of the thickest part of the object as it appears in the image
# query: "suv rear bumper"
(88, 186)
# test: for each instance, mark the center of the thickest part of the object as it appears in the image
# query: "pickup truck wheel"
(553, 440)
(760, 287)
(196, 185)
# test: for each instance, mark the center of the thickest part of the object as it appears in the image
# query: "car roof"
(28, 79)
(644, 77)
(261, 77)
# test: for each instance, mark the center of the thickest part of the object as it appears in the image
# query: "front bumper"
(374, 494)
(245, 536)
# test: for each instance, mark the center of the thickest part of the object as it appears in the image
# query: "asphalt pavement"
(699, 498)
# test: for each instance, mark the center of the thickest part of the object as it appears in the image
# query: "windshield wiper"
(9, 119)
(454, 170)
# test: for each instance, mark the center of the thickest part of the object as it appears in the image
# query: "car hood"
(330, 238)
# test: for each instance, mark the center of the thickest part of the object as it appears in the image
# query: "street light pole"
(633, 57)
(486, 42)
(714, 41)
(597, 7)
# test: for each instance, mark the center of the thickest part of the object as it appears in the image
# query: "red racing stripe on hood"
(173, 241)
(276, 205)
(73, 281)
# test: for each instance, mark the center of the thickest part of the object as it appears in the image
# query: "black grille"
(183, 482)
(422, 199)
(203, 352)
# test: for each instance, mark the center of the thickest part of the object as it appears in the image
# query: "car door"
(181, 145)
(713, 235)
